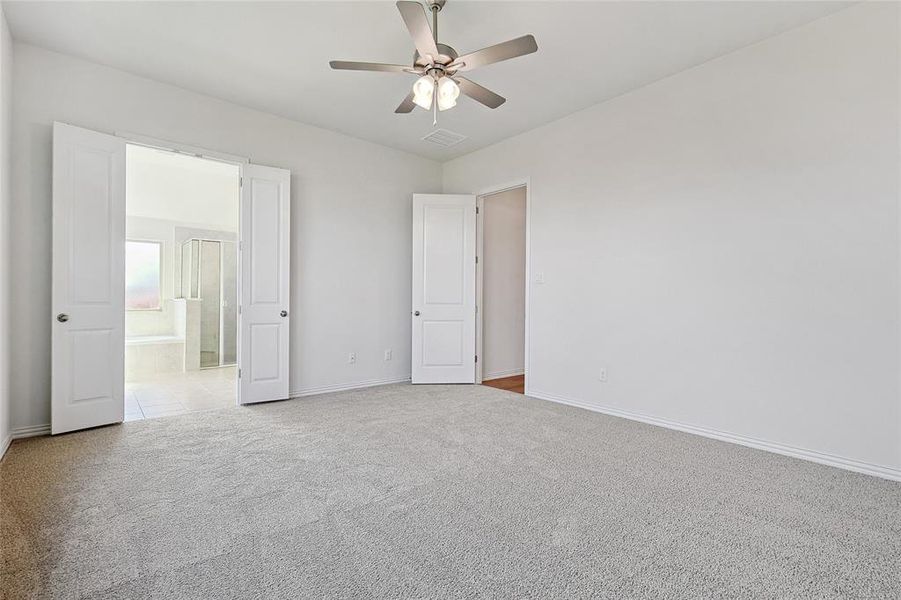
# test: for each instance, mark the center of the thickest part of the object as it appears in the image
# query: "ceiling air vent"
(445, 138)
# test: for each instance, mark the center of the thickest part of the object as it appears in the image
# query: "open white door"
(265, 284)
(88, 337)
(444, 288)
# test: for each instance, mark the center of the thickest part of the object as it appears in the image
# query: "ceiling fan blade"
(418, 25)
(479, 93)
(492, 54)
(348, 65)
(407, 105)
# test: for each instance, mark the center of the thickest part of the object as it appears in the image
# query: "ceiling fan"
(439, 65)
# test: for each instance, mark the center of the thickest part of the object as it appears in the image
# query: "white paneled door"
(88, 299)
(265, 284)
(444, 291)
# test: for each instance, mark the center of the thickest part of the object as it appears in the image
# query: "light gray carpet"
(433, 492)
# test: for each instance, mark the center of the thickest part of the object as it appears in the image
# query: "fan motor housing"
(447, 56)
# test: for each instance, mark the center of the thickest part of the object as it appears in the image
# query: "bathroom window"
(142, 275)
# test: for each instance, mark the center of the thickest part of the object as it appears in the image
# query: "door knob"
(284, 313)
(62, 317)
(416, 314)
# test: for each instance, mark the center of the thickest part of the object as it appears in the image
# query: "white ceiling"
(274, 56)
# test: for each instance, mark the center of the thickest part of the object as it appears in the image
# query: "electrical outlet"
(602, 376)
(388, 354)
(351, 358)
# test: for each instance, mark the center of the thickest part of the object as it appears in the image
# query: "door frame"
(480, 239)
(137, 139)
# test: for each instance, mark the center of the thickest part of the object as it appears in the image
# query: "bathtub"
(147, 355)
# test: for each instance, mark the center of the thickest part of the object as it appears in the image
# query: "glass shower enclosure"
(209, 273)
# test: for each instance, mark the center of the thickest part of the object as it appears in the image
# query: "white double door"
(88, 277)
(444, 288)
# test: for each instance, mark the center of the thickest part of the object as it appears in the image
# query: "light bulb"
(448, 91)
(423, 90)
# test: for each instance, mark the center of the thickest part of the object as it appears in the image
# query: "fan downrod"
(447, 54)
(435, 7)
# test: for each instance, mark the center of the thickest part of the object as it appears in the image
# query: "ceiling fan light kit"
(438, 65)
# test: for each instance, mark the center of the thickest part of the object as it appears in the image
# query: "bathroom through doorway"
(181, 283)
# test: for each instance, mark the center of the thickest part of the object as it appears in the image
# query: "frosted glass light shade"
(423, 91)
(448, 91)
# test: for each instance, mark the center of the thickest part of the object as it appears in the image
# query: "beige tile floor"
(167, 394)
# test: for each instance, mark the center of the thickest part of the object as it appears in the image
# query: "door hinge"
(239, 309)
(239, 373)
(477, 358)
(240, 182)
(477, 260)
(477, 210)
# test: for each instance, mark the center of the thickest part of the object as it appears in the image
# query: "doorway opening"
(501, 289)
(181, 282)
(91, 177)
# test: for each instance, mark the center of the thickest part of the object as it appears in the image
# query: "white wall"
(351, 215)
(176, 187)
(6, 77)
(503, 260)
(725, 242)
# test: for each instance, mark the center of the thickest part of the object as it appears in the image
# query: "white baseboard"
(810, 455)
(341, 387)
(30, 431)
(4, 445)
(499, 374)
(18, 433)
